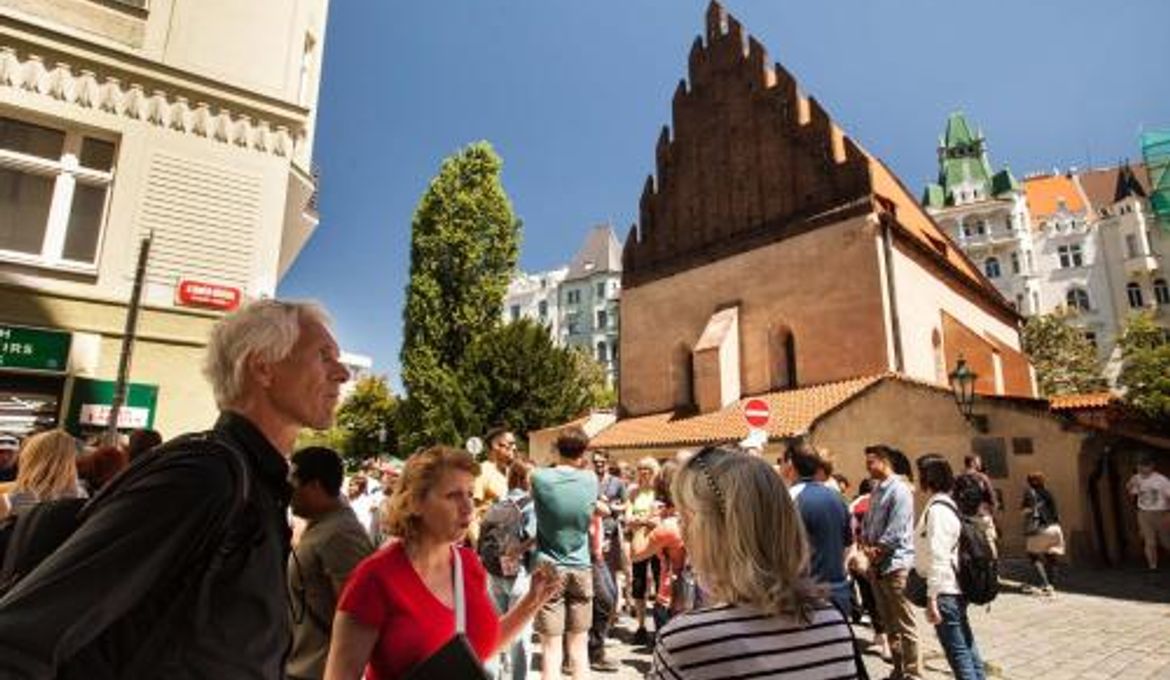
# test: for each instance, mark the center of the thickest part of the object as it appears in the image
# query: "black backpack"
(978, 568)
(31, 536)
(500, 531)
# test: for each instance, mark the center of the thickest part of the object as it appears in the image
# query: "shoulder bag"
(455, 660)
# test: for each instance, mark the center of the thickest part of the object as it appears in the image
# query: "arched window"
(1134, 292)
(1161, 292)
(1077, 299)
(991, 268)
(782, 357)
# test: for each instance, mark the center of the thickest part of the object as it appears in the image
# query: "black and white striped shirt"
(729, 641)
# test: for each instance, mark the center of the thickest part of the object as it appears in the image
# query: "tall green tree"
(1145, 368)
(465, 240)
(517, 376)
(1065, 361)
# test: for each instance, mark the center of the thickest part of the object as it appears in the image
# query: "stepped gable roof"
(601, 252)
(1047, 194)
(751, 160)
(1106, 186)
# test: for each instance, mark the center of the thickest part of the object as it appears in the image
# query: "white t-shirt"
(1152, 491)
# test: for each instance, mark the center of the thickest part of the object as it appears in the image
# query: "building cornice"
(90, 76)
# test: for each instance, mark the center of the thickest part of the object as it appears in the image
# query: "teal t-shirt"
(564, 500)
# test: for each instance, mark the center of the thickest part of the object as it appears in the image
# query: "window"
(543, 309)
(965, 229)
(515, 312)
(1091, 338)
(981, 227)
(1161, 292)
(1022, 446)
(1134, 293)
(601, 290)
(1131, 245)
(1015, 262)
(53, 190)
(1035, 302)
(1020, 302)
(1070, 256)
(571, 324)
(602, 355)
(991, 268)
(602, 319)
(573, 296)
(1028, 261)
(1077, 299)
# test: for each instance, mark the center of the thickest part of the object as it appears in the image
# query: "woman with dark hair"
(1043, 535)
(936, 556)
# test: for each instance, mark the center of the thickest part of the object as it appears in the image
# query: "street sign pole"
(128, 341)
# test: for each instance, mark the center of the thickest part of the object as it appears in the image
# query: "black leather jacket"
(135, 568)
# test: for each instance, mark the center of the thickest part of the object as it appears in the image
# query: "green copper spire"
(964, 172)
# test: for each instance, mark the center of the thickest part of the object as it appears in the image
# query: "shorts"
(1048, 541)
(1154, 526)
(571, 611)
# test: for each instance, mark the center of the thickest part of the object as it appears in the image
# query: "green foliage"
(465, 240)
(1065, 361)
(366, 413)
(516, 375)
(1145, 367)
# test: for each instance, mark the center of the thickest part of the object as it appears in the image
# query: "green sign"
(89, 406)
(34, 349)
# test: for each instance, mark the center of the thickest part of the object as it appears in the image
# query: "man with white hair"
(178, 569)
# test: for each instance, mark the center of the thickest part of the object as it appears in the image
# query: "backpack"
(969, 494)
(500, 531)
(978, 568)
(33, 535)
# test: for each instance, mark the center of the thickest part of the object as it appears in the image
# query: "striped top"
(731, 641)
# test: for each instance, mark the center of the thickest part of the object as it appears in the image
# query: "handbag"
(455, 660)
(915, 590)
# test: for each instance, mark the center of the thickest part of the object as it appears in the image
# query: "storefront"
(33, 370)
(90, 404)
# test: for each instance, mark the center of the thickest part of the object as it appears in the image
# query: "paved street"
(1102, 624)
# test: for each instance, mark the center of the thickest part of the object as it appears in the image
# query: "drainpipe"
(895, 324)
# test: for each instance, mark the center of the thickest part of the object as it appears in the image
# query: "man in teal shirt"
(565, 497)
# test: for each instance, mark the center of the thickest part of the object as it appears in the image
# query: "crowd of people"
(229, 553)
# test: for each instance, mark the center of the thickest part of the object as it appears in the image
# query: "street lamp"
(963, 387)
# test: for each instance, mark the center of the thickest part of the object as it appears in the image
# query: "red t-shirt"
(385, 592)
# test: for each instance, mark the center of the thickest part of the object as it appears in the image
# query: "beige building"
(191, 120)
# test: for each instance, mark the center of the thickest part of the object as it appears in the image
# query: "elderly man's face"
(305, 386)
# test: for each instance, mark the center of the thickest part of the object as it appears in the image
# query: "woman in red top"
(397, 608)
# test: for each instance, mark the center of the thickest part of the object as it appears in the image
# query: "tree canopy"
(1065, 361)
(1145, 367)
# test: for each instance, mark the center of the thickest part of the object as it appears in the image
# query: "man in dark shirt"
(826, 521)
(118, 580)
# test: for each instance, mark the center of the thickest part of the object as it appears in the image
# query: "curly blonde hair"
(48, 465)
(743, 534)
(421, 473)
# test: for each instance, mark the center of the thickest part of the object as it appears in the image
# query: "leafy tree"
(516, 375)
(368, 412)
(1145, 367)
(1065, 361)
(464, 243)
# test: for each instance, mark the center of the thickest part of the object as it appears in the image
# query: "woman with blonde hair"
(422, 594)
(48, 471)
(747, 546)
(642, 515)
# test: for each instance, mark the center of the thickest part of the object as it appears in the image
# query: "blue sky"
(572, 95)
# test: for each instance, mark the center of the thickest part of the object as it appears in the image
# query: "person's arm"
(899, 520)
(654, 544)
(350, 648)
(545, 584)
(5, 506)
(154, 525)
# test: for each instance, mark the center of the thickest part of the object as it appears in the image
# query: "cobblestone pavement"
(1100, 624)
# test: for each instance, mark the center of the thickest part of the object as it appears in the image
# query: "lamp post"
(963, 387)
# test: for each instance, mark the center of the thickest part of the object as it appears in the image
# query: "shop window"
(54, 186)
(1022, 446)
(993, 451)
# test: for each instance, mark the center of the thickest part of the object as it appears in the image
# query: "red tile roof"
(1045, 194)
(792, 412)
(1065, 402)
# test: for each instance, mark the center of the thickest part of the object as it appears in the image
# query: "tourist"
(566, 501)
(9, 448)
(936, 559)
(1151, 492)
(747, 547)
(976, 497)
(331, 545)
(887, 536)
(863, 577)
(507, 536)
(48, 471)
(641, 517)
(399, 606)
(826, 521)
(1044, 539)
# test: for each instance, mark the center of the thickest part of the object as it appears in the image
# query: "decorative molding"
(87, 89)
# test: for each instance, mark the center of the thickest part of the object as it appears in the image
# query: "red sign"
(199, 294)
(756, 413)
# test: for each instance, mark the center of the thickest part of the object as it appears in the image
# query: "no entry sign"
(756, 413)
